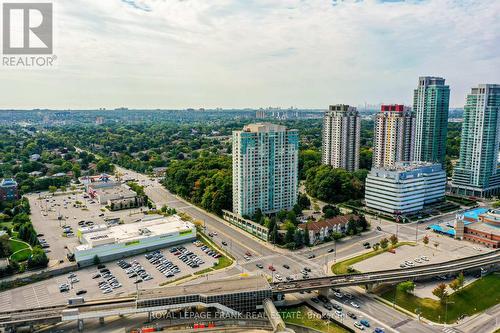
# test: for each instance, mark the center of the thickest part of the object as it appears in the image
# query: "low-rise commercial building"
(242, 294)
(110, 243)
(405, 187)
(115, 195)
(321, 229)
(8, 190)
(480, 226)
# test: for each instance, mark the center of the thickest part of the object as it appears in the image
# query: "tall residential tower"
(265, 169)
(393, 135)
(341, 135)
(477, 172)
(430, 104)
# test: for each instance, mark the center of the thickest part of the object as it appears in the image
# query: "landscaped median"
(474, 298)
(303, 316)
(342, 267)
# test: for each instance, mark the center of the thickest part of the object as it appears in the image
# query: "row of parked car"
(188, 257)
(135, 270)
(108, 281)
(165, 266)
(411, 263)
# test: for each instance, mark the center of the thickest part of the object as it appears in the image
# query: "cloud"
(237, 53)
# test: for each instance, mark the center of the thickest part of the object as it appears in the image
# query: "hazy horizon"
(151, 54)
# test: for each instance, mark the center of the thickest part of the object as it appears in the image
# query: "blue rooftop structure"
(440, 229)
(474, 213)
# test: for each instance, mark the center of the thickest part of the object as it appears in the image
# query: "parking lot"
(56, 219)
(444, 252)
(92, 280)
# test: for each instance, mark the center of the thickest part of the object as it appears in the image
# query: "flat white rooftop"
(150, 226)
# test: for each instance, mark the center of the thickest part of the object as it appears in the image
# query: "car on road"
(331, 250)
(271, 268)
(364, 322)
(248, 253)
(286, 266)
(355, 305)
(246, 257)
(338, 295)
(311, 256)
(328, 306)
(81, 292)
(259, 266)
(339, 314)
(378, 330)
(315, 300)
(224, 243)
(352, 315)
(379, 228)
(358, 325)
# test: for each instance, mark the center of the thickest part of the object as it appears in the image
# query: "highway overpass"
(222, 294)
(387, 276)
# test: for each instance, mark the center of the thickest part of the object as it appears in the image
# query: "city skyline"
(150, 54)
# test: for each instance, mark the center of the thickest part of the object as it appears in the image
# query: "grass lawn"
(22, 255)
(476, 297)
(18, 246)
(304, 316)
(342, 266)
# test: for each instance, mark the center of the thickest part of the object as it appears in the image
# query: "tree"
(455, 284)
(393, 239)
(303, 201)
(97, 260)
(274, 236)
(363, 223)
(384, 242)
(297, 210)
(376, 247)
(425, 240)
(351, 227)
(38, 258)
(298, 238)
(441, 292)
(52, 189)
(289, 236)
(307, 240)
(330, 211)
(436, 244)
(460, 279)
(407, 286)
(258, 216)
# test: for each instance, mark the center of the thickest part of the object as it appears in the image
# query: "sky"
(258, 53)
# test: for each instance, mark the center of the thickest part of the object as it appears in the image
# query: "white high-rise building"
(393, 135)
(405, 187)
(265, 169)
(341, 136)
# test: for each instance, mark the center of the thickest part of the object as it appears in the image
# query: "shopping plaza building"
(405, 187)
(110, 243)
(479, 225)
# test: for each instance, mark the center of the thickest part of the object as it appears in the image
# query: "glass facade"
(430, 104)
(477, 173)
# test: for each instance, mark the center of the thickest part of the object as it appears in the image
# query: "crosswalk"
(450, 330)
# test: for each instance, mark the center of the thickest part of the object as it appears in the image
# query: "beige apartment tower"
(393, 136)
(341, 136)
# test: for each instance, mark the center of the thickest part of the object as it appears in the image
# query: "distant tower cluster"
(341, 137)
(393, 135)
(265, 169)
